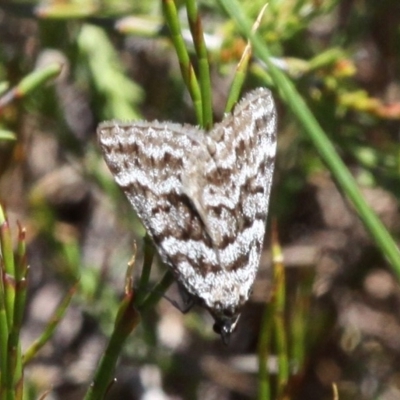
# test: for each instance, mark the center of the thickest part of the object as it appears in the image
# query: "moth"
(202, 197)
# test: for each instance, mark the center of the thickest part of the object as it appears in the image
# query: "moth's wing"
(237, 183)
(147, 161)
(231, 192)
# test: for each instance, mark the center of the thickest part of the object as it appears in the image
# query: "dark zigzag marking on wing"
(174, 199)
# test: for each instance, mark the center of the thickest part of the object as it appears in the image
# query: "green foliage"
(302, 50)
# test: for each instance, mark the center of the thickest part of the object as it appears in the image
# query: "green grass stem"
(203, 64)
(187, 70)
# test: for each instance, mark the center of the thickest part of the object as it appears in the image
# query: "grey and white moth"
(202, 196)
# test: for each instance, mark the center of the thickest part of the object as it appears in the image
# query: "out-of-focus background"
(341, 320)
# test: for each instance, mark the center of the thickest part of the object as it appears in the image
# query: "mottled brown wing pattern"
(203, 197)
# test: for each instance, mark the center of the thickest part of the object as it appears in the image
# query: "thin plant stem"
(202, 57)
(242, 68)
(157, 292)
(29, 83)
(264, 344)
(51, 327)
(148, 250)
(127, 319)
(9, 270)
(14, 345)
(4, 325)
(299, 322)
(187, 70)
(279, 314)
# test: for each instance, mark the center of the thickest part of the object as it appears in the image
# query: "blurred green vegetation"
(65, 66)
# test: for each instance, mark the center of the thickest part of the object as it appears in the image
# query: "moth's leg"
(188, 300)
(184, 304)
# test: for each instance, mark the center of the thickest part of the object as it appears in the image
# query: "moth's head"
(225, 323)
(225, 306)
